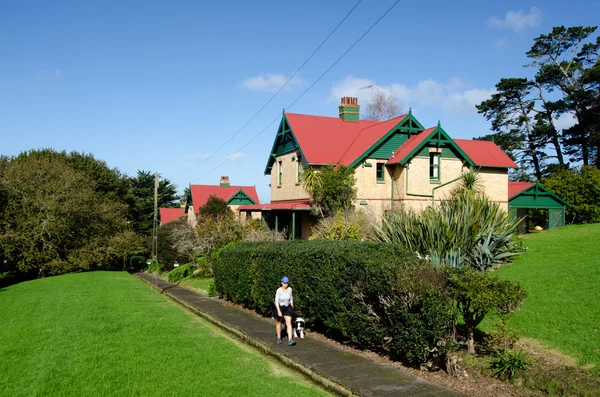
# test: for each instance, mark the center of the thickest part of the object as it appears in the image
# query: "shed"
(525, 195)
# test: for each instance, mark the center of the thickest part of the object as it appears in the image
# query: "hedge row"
(371, 294)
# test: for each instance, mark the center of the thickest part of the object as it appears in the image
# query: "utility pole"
(155, 231)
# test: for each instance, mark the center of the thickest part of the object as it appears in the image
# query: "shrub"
(471, 229)
(479, 293)
(347, 225)
(507, 364)
(215, 208)
(181, 272)
(370, 294)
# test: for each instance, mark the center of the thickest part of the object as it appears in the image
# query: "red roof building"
(234, 196)
(397, 163)
(170, 214)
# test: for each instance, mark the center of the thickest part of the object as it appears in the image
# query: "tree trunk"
(470, 341)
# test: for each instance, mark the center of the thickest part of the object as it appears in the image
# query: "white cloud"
(270, 82)
(49, 74)
(196, 157)
(517, 20)
(453, 96)
(235, 157)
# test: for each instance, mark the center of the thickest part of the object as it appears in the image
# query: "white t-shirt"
(283, 297)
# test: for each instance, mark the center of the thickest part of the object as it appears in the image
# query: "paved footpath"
(338, 370)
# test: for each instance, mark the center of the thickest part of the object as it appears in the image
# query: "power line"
(305, 91)
(274, 95)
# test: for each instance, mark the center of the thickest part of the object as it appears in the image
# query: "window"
(299, 169)
(380, 172)
(434, 166)
(280, 171)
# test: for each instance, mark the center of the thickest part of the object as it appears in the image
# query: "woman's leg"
(288, 323)
(278, 329)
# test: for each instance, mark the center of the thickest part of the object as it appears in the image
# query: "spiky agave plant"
(470, 226)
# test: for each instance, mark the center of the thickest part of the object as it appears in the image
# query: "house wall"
(290, 188)
(495, 185)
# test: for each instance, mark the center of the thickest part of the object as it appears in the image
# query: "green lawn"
(202, 285)
(561, 273)
(107, 333)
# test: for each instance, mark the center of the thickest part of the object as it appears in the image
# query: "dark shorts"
(285, 311)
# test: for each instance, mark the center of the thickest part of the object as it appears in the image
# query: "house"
(170, 214)
(398, 163)
(234, 196)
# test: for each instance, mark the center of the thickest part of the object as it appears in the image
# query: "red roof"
(515, 188)
(485, 153)
(279, 205)
(409, 146)
(170, 214)
(201, 193)
(331, 140)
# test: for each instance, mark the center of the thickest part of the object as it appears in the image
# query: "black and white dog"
(297, 327)
(298, 324)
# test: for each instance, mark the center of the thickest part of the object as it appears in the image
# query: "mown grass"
(107, 333)
(202, 285)
(561, 274)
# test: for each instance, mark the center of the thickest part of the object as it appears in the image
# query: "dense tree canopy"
(524, 111)
(143, 191)
(55, 219)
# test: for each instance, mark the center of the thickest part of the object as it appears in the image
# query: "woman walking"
(284, 304)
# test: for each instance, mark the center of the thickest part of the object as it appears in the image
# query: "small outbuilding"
(525, 195)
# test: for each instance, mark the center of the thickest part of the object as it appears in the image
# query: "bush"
(370, 294)
(478, 294)
(508, 364)
(181, 272)
(469, 230)
(348, 225)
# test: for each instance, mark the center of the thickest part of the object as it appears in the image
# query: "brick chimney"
(349, 109)
(224, 181)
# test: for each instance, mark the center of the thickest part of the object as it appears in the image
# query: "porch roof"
(302, 205)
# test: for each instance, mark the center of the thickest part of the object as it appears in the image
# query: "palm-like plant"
(467, 230)
(311, 180)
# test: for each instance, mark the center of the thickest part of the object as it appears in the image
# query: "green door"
(556, 217)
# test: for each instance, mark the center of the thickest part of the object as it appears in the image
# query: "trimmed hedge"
(370, 294)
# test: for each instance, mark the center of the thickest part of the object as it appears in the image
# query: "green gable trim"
(285, 142)
(448, 152)
(437, 138)
(536, 196)
(240, 198)
(397, 135)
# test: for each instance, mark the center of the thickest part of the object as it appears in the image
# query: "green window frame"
(434, 166)
(380, 170)
(299, 170)
(280, 172)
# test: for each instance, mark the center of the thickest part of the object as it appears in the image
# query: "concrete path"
(336, 369)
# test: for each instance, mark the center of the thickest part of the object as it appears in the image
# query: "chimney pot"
(224, 181)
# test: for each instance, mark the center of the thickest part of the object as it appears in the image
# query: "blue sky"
(160, 86)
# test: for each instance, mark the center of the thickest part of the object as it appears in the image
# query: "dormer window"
(380, 172)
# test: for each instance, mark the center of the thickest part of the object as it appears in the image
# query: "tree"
(510, 113)
(383, 106)
(143, 191)
(562, 68)
(523, 112)
(336, 190)
(215, 208)
(580, 187)
(54, 220)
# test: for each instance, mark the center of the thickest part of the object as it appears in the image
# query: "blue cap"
(285, 280)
